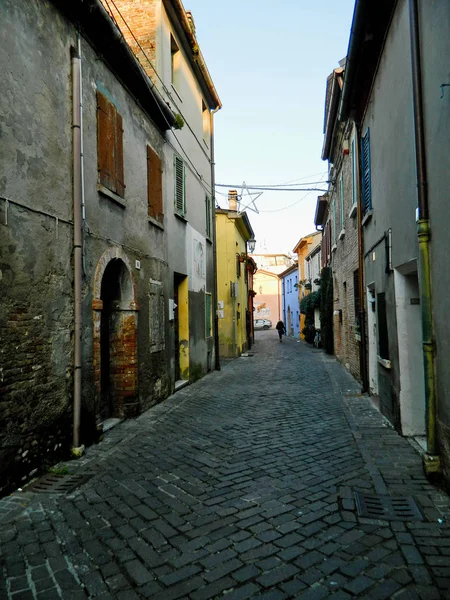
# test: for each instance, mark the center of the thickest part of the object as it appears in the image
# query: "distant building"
(267, 285)
(289, 300)
(235, 270)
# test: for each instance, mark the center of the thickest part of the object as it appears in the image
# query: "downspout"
(77, 450)
(362, 295)
(213, 201)
(431, 460)
(83, 199)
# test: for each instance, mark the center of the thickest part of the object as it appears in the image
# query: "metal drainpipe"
(362, 296)
(77, 244)
(431, 460)
(213, 201)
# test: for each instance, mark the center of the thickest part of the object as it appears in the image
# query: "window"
(154, 185)
(208, 315)
(175, 63)
(206, 123)
(365, 173)
(208, 216)
(109, 146)
(341, 200)
(180, 186)
(354, 174)
(333, 221)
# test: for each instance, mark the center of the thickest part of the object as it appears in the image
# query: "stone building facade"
(131, 335)
(339, 150)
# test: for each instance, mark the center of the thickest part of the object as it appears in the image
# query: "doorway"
(409, 332)
(372, 331)
(181, 328)
(118, 343)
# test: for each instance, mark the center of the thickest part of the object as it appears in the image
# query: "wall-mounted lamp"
(251, 243)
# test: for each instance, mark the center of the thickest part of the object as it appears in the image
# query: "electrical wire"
(193, 169)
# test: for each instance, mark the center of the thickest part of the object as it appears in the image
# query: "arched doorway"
(115, 338)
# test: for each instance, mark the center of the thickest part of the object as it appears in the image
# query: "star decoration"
(251, 205)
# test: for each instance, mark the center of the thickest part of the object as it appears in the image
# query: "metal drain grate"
(57, 484)
(389, 508)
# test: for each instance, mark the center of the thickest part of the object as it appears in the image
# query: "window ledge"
(181, 217)
(384, 362)
(353, 211)
(367, 217)
(101, 189)
(342, 234)
(155, 222)
(334, 248)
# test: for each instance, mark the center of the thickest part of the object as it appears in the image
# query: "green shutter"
(365, 169)
(180, 192)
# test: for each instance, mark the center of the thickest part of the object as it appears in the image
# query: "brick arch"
(122, 364)
(105, 259)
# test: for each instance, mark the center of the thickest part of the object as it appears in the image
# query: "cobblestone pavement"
(239, 486)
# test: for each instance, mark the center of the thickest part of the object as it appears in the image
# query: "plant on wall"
(307, 306)
(326, 310)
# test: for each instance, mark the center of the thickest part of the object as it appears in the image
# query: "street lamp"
(251, 243)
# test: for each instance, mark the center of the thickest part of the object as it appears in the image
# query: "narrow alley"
(241, 485)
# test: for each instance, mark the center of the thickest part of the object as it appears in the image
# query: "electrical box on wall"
(172, 307)
(138, 264)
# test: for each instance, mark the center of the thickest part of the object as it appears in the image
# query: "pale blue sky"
(269, 62)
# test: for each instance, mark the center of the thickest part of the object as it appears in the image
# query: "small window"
(365, 173)
(180, 186)
(206, 123)
(208, 315)
(109, 146)
(208, 222)
(154, 185)
(175, 63)
(333, 220)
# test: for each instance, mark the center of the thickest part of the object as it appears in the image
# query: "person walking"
(281, 329)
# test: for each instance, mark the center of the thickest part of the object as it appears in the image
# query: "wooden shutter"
(118, 155)
(105, 141)
(180, 203)
(383, 338)
(110, 145)
(154, 185)
(365, 172)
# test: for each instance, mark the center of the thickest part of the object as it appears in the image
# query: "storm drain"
(402, 508)
(53, 483)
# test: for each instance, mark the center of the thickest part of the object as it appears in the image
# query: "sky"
(269, 63)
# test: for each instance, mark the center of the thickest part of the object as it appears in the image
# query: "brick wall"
(344, 264)
(140, 15)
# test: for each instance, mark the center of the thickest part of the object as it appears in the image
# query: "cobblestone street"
(242, 486)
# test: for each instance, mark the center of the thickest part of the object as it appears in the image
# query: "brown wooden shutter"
(105, 137)
(154, 185)
(118, 155)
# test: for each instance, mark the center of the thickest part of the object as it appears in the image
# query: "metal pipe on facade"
(214, 230)
(431, 460)
(77, 244)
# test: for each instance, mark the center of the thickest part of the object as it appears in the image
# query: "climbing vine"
(326, 310)
(307, 306)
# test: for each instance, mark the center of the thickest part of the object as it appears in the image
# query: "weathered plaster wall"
(435, 48)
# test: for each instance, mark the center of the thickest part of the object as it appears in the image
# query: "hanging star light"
(251, 205)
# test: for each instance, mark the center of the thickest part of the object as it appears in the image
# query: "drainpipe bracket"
(431, 464)
(77, 452)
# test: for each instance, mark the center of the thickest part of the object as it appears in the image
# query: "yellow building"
(302, 249)
(234, 277)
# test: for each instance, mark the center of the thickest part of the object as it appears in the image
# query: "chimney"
(232, 200)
